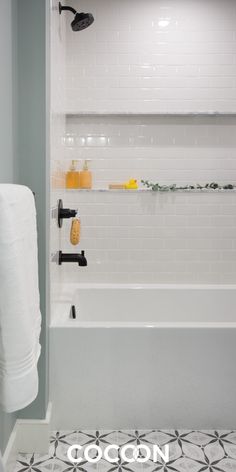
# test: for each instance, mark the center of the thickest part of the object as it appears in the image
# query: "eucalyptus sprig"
(174, 187)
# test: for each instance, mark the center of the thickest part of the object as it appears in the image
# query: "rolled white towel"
(20, 318)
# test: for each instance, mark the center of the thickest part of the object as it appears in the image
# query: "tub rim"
(63, 305)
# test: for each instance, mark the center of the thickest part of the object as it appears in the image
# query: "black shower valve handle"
(67, 213)
(64, 213)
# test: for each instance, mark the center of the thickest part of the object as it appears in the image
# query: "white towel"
(20, 318)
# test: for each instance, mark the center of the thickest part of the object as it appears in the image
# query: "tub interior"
(150, 304)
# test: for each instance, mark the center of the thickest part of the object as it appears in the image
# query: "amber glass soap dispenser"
(86, 176)
(73, 176)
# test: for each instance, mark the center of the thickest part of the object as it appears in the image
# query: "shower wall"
(57, 132)
(147, 238)
(142, 84)
(153, 56)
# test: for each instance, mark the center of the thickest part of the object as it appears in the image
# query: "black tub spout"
(71, 257)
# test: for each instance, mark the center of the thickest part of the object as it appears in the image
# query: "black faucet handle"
(68, 213)
(63, 213)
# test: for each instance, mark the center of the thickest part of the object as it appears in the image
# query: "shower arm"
(62, 8)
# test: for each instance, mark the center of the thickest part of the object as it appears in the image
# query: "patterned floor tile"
(64, 465)
(200, 438)
(231, 437)
(155, 437)
(60, 441)
(34, 462)
(124, 437)
(100, 437)
(190, 451)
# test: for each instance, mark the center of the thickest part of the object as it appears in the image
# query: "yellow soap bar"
(116, 186)
(75, 232)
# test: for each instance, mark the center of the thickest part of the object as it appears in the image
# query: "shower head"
(80, 21)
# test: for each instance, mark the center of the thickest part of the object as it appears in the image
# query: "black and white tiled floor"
(190, 451)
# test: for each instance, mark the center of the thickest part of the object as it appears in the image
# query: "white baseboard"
(28, 436)
(10, 454)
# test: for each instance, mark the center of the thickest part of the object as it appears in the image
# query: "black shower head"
(80, 21)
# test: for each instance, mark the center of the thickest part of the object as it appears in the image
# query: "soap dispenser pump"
(73, 176)
(86, 176)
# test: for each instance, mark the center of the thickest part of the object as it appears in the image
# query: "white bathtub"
(146, 356)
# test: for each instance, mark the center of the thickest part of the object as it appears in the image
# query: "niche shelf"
(144, 190)
(69, 113)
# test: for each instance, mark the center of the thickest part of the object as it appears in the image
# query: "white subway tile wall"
(153, 56)
(153, 238)
(162, 56)
(163, 149)
(147, 237)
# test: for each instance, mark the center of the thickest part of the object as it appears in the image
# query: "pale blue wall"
(32, 149)
(6, 111)
(23, 142)
(7, 168)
